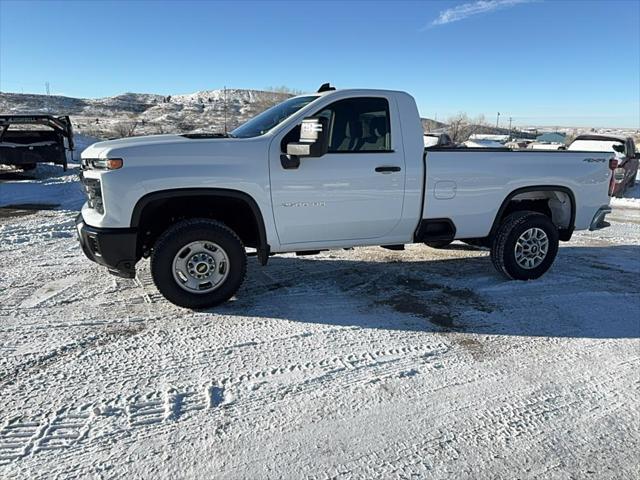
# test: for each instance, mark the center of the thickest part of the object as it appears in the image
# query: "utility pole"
(47, 88)
(497, 119)
(510, 119)
(225, 109)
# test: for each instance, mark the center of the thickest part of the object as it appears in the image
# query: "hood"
(102, 149)
(155, 144)
(174, 149)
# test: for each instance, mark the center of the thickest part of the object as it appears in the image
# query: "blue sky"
(570, 63)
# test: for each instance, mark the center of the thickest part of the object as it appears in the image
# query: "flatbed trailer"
(26, 140)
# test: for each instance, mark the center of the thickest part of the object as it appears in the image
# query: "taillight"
(613, 164)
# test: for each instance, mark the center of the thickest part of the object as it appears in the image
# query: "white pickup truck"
(339, 168)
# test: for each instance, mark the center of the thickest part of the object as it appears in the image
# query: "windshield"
(268, 119)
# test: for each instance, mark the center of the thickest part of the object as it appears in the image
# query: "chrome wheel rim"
(531, 248)
(200, 267)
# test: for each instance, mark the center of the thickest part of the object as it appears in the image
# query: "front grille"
(94, 193)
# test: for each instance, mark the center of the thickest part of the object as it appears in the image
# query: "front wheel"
(525, 245)
(198, 263)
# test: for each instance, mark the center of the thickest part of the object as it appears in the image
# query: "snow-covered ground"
(352, 364)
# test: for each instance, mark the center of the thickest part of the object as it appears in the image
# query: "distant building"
(546, 146)
(490, 137)
(551, 137)
(482, 144)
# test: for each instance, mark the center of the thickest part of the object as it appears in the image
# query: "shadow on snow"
(590, 292)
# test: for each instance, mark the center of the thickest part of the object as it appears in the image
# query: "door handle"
(387, 169)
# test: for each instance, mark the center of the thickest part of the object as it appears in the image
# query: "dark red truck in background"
(625, 172)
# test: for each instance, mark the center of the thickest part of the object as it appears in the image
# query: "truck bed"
(26, 140)
(466, 185)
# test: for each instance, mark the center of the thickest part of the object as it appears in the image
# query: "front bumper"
(114, 248)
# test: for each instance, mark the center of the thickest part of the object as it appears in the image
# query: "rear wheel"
(525, 245)
(198, 263)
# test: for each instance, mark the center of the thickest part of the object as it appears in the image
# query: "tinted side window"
(359, 125)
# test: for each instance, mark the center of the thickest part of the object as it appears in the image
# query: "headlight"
(106, 163)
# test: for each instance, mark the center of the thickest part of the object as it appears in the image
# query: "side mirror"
(314, 138)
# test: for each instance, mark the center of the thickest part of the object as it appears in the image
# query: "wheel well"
(557, 203)
(158, 214)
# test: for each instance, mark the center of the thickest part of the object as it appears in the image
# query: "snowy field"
(350, 364)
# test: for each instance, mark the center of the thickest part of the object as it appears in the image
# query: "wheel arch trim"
(565, 234)
(143, 202)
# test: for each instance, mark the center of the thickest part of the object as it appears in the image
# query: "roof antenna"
(325, 87)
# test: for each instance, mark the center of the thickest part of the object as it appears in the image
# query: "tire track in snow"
(18, 436)
(19, 234)
(42, 362)
(529, 415)
(70, 425)
(50, 290)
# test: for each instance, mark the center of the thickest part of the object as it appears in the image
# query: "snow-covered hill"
(145, 113)
(148, 113)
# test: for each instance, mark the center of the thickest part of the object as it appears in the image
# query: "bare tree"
(125, 129)
(570, 137)
(185, 125)
(459, 127)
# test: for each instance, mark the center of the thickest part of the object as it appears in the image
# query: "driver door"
(354, 192)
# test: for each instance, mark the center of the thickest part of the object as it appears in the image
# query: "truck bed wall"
(468, 187)
(31, 146)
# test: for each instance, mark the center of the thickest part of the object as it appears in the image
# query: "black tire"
(177, 238)
(438, 243)
(503, 253)
(27, 167)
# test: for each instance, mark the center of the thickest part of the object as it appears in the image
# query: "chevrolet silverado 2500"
(339, 168)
